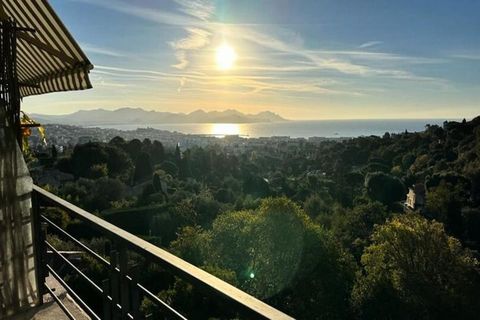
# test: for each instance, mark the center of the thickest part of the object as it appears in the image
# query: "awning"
(48, 58)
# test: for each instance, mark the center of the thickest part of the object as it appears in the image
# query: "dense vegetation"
(317, 230)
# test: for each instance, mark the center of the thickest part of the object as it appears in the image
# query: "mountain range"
(141, 116)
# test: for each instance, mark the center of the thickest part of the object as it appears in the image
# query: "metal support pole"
(107, 304)
(114, 284)
(135, 292)
(39, 247)
(124, 283)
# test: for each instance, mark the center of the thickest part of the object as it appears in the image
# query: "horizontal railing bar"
(72, 293)
(160, 302)
(100, 290)
(67, 252)
(119, 307)
(60, 303)
(180, 267)
(65, 233)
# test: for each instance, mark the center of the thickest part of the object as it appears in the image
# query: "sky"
(303, 59)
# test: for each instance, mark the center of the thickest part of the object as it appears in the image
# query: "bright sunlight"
(225, 129)
(225, 57)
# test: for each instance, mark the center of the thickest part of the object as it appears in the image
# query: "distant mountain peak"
(198, 111)
(127, 115)
(268, 113)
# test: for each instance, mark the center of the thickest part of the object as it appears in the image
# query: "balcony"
(120, 294)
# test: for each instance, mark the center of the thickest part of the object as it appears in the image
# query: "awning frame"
(38, 56)
(48, 58)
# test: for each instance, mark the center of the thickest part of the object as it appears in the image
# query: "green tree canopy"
(143, 167)
(414, 270)
(277, 252)
(384, 188)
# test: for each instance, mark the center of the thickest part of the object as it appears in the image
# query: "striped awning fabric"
(48, 58)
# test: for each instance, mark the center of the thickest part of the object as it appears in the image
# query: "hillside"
(300, 210)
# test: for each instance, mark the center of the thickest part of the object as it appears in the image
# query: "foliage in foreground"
(414, 270)
(278, 254)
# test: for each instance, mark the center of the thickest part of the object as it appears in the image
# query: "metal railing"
(121, 292)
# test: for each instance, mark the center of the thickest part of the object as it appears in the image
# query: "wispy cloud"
(152, 15)
(369, 44)
(90, 48)
(201, 9)
(380, 56)
(466, 56)
(332, 59)
(224, 83)
(196, 16)
(197, 39)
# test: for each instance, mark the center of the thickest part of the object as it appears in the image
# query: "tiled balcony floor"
(50, 309)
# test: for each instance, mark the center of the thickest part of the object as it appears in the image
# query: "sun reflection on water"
(224, 129)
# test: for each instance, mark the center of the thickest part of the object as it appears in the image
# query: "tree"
(316, 204)
(444, 203)
(384, 188)
(133, 148)
(256, 186)
(118, 142)
(119, 163)
(178, 154)
(192, 244)
(54, 152)
(94, 195)
(170, 168)
(143, 167)
(414, 270)
(158, 152)
(353, 227)
(184, 169)
(88, 155)
(98, 171)
(106, 191)
(85, 156)
(407, 160)
(280, 255)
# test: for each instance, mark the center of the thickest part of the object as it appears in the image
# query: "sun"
(225, 57)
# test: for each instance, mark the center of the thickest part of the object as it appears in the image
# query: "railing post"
(39, 247)
(107, 304)
(114, 284)
(124, 283)
(135, 292)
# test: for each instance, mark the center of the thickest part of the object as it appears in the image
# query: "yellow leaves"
(41, 130)
(26, 124)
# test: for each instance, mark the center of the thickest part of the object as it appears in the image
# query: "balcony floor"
(50, 309)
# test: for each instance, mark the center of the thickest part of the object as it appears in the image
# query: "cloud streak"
(197, 39)
(90, 48)
(195, 17)
(369, 44)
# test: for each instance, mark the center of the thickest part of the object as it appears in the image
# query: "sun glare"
(225, 57)
(225, 129)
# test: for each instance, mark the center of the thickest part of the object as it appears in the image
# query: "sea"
(293, 129)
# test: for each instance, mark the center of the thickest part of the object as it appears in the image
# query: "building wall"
(411, 199)
(18, 287)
